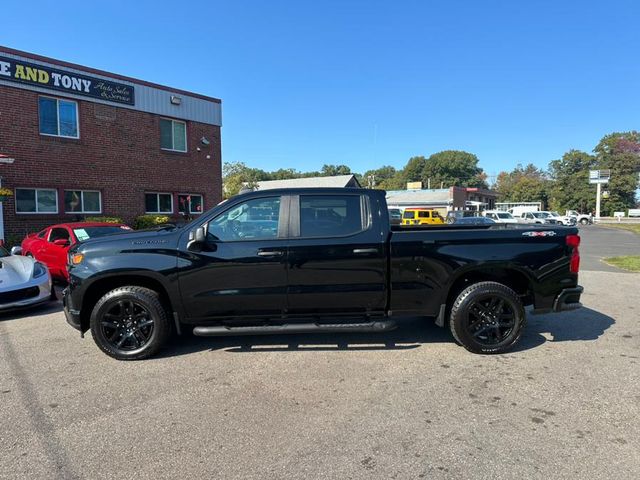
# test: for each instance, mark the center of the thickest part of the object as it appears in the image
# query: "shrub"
(150, 221)
(104, 219)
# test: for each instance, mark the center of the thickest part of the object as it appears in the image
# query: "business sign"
(599, 176)
(63, 81)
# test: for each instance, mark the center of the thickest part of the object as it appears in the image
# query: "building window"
(82, 201)
(173, 135)
(58, 117)
(36, 200)
(158, 203)
(189, 203)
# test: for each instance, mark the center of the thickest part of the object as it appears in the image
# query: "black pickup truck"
(316, 260)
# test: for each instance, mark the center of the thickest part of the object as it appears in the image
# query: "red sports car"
(50, 246)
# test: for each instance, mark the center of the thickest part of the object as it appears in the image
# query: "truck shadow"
(579, 325)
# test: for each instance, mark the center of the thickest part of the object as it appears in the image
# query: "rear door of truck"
(337, 253)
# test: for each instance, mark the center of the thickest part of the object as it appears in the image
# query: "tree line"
(562, 186)
(565, 184)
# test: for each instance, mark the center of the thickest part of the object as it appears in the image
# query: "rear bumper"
(569, 299)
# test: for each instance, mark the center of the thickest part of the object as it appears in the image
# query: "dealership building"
(77, 142)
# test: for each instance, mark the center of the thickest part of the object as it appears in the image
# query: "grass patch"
(627, 262)
(632, 227)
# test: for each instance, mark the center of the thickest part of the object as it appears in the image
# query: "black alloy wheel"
(487, 317)
(490, 319)
(127, 325)
(130, 323)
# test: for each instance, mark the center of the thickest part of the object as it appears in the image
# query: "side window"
(331, 215)
(58, 234)
(423, 214)
(253, 220)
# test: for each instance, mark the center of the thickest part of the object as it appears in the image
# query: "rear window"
(86, 233)
(331, 215)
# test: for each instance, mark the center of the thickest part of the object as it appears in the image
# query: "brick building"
(77, 142)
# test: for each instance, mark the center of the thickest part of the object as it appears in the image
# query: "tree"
(453, 168)
(412, 171)
(571, 189)
(235, 175)
(523, 184)
(384, 178)
(333, 170)
(620, 153)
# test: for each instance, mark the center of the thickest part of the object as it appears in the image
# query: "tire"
(584, 221)
(487, 317)
(130, 323)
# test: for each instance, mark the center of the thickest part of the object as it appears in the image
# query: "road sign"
(599, 176)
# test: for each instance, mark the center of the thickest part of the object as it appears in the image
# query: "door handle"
(270, 253)
(365, 250)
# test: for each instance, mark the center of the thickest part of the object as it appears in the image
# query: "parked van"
(421, 216)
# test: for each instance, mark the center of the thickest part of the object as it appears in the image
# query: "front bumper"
(72, 315)
(569, 299)
(45, 289)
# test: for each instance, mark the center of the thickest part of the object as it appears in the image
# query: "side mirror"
(61, 242)
(16, 250)
(197, 235)
(197, 239)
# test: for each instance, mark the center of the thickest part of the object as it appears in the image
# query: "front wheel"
(130, 323)
(487, 317)
(584, 221)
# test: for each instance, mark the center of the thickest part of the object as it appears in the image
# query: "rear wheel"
(487, 317)
(130, 323)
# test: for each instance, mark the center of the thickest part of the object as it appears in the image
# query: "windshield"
(86, 233)
(408, 214)
(540, 214)
(554, 214)
(504, 215)
(4, 252)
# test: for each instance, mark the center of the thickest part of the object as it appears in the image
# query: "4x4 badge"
(549, 233)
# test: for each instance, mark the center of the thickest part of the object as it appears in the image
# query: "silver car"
(23, 281)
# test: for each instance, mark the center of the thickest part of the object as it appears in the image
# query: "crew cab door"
(337, 254)
(241, 267)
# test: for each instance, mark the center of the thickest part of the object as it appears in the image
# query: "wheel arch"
(516, 279)
(100, 287)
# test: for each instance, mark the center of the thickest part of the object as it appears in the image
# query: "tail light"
(573, 241)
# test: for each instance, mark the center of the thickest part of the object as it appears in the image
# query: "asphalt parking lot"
(406, 404)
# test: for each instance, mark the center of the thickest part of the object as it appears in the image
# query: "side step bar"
(376, 326)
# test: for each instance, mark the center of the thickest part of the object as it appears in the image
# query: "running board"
(377, 326)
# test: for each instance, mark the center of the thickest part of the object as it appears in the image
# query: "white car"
(566, 220)
(23, 282)
(500, 216)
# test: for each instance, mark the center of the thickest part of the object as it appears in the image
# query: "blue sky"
(367, 83)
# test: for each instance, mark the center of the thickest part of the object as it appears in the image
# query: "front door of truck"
(337, 255)
(241, 268)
